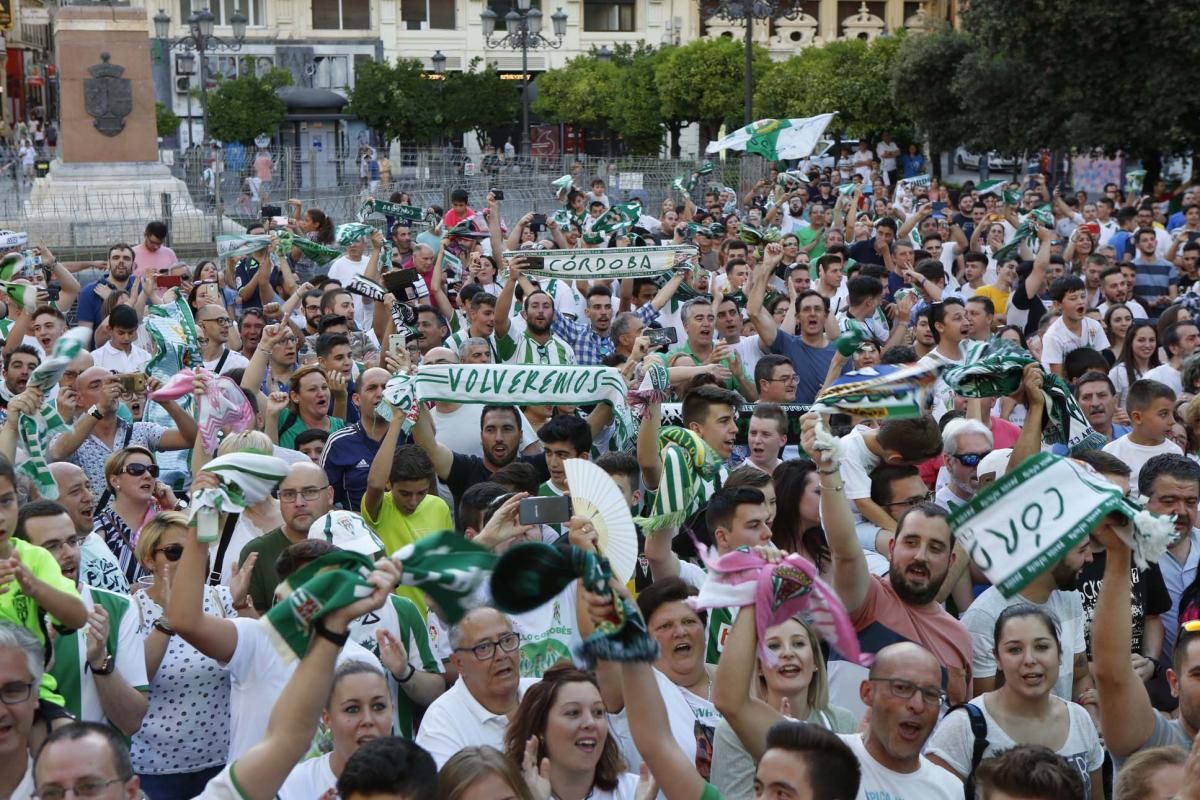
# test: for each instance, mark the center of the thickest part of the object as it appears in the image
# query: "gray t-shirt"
(953, 743)
(1166, 733)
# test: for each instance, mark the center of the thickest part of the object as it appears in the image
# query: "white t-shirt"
(980, 621)
(344, 270)
(548, 634)
(929, 782)
(1136, 455)
(953, 742)
(1167, 375)
(1120, 378)
(114, 360)
(857, 463)
(680, 720)
(941, 400)
(309, 780)
(1135, 308)
(1058, 340)
(887, 155)
(233, 360)
(459, 429)
(257, 677)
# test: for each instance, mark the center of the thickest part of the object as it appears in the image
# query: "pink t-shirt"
(885, 619)
(262, 167)
(144, 260)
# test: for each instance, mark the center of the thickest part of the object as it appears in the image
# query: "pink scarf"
(224, 404)
(778, 592)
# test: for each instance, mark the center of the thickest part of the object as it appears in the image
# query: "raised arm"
(1041, 262)
(760, 317)
(1126, 717)
(425, 438)
(437, 283)
(381, 468)
(851, 579)
(1029, 442)
(749, 716)
(215, 637)
(262, 770)
(674, 773)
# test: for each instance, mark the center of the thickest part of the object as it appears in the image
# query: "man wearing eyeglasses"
(904, 693)
(20, 680)
(100, 669)
(965, 442)
(216, 327)
(304, 495)
(475, 710)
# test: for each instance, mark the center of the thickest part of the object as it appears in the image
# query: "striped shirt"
(1154, 280)
(455, 340)
(524, 349)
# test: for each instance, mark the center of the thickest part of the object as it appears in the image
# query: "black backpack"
(979, 732)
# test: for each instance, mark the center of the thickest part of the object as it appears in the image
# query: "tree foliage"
(166, 121)
(582, 93)
(1059, 74)
(243, 108)
(477, 100)
(701, 82)
(851, 77)
(395, 99)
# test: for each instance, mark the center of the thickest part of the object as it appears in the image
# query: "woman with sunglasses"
(1023, 711)
(184, 738)
(1138, 356)
(137, 495)
(559, 734)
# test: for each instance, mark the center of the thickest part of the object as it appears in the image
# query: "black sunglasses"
(141, 469)
(173, 552)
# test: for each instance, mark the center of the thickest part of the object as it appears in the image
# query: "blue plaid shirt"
(590, 347)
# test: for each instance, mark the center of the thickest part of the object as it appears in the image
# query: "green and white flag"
(990, 187)
(619, 217)
(232, 245)
(22, 294)
(11, 266)
(348, 233)
(244, 479)
(1024, 523)
(918, 181)
(1133, 181)
(847, 189)
(449, 568)
(319, 254)
(604, 264)
(776, 139)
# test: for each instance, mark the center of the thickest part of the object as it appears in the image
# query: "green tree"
(583, 93)
(637, 109)
(245, 107)
(395, 99)
(477, 100)
(701, 82)
(851, 77)
(166, 121)
(922, 85)
(1027, 83)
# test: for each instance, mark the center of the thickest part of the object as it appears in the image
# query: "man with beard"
(1170, 485)
(903, 605)
(118, 279)
(592, 340)
(500, 436)
(950, 327)
(349, 452)
(1114, 289)
(964, 442)
(101, 669)
(432, 329)
(535, 343)
(19, 364)
(811, 351)
(1129, 722)
(304, 495)
(1052, 590)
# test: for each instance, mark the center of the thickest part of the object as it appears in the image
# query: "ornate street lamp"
(746, 12)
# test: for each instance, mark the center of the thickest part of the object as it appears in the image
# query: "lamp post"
(200, 39)
(747, 11)
(523, 31)
(185, 66)
(439, 69)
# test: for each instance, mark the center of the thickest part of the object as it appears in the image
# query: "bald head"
(74, 494)
(440, 355)
(90, 375)
(907, 657)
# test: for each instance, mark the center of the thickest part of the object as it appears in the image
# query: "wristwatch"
(163, 627)
(95, 411)
(106, 666)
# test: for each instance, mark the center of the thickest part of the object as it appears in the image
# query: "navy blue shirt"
(244, 272)
(347, 462)
(88, 309)
(811, 363)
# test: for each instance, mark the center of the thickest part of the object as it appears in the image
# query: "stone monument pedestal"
(109, 181)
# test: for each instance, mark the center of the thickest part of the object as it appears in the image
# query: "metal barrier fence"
(85, 226)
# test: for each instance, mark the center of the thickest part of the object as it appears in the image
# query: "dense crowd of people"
(413, 372)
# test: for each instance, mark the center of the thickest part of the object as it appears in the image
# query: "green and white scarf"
(11, 266)
(604, 264)
(618, 218)
(513, 384)
(994, 369)
(1026, 233)
(1024, 523)
(687, 462)
(388, 209)
(315, 252)
(245, 479)
(1133, 181)
(22, 294)
(445, 566)
(348, 233)
(172, 328)
(36, 431)
(918, 181)
(231, 245)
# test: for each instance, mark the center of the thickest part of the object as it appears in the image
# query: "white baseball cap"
(346, 531)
